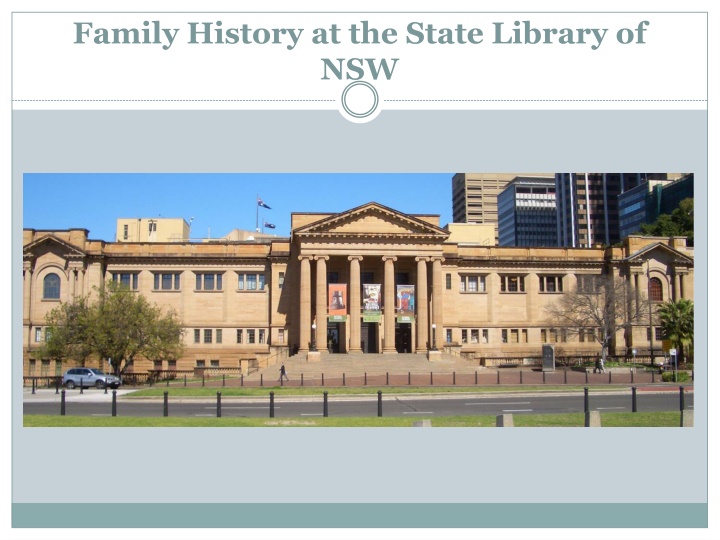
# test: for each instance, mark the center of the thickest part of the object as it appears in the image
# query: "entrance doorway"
(403, 337)
(369, 337)
(333, 337)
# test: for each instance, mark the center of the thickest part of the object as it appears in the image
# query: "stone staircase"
(355, 364)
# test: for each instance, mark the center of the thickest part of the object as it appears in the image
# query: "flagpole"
(257, 210)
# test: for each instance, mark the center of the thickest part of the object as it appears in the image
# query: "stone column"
(437, 302)
(305, 307)
(677, 290)
(389, 302)
(321, 302)
(354, 308)
(422, 304)
(27, 290)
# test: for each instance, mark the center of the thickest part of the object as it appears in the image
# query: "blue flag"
(269, 225)
(261, 203)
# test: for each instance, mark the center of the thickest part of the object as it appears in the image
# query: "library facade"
(371, 279)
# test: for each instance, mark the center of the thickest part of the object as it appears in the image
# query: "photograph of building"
(245, 297)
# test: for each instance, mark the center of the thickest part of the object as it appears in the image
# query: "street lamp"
(434, 347)
(313, 344)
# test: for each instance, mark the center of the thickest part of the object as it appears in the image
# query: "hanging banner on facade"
(337, 308)
(371, 302)
(405, 303)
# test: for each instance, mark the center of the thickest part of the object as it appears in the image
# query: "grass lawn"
(656, 419)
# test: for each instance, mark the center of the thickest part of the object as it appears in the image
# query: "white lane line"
(204, 415)
(311, 414)
(609, 408)
(517, 410)
(224, 407)
(419, 412)
(99, 415)
(504, 403)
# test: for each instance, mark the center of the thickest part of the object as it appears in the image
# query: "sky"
(219, 203)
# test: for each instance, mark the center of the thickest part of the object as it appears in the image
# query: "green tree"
(126, 326)
(678, 223)
(600, 306)
(677, 320)
(68, 332)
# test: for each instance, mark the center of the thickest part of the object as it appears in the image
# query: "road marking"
(99, 415)
(609, 408)
(204, 415)
(224, 407)
(419, 412)
(311, 414)
(504, 403)
(517, 410)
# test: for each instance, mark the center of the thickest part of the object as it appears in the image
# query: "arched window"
(656, 290)
(51, 287)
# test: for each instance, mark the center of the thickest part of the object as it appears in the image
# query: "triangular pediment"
(372, 219)
(53, 243)
(656, 251)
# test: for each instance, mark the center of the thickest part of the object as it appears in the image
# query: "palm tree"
(677, 320)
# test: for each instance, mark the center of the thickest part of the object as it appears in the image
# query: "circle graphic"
(360, 99)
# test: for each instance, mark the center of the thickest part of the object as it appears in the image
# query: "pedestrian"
(283, 373)
(601, 365)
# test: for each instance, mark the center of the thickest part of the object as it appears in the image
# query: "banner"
(337, 308)
(371, 302)
(405, 303)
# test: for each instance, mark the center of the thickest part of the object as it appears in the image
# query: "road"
(399, 405)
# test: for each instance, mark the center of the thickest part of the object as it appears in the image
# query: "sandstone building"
(369, 279)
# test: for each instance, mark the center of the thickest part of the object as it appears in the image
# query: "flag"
(261, 203)
(269, 225)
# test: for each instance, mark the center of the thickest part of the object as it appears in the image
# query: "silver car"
(87, 377)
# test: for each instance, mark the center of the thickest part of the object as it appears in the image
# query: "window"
(51, 287)
(167, 282)
(126, 279)
(448, 281)
(199, 363)
(464, 336)
(474, 335)
(207, 336)
(448, 335)
(44, 368)
(524, 335)
(251, 282)
(281, 336)
(281, 280)
(172, 364)
(214, 363)
(543, 335)
(659, 335)
(472, 284)
(197, 335)
(238, 335)
(208, 282)
(512, 284)
(251, 336)
(125, 232)
(157, 364)
(38, 335)
(261, 336)
(551, 284)
(31, 367)
(504, 336)
(218, 335)
(588, 283)
(656, 291)
(485, 335)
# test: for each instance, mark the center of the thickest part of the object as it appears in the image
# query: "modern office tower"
(587, 203)
(474, 196)
(644, 203)
(527, 214)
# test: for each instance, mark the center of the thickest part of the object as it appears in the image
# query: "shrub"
(672, 376)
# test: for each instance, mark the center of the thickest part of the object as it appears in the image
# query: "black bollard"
(453, 378)
(543, 377)
(682, 399)
(62, 403)
(521, 376)
(498, 377)
(302, 379)
(219, 404)
(242, 380)
(272, 404)
(203, 376)
(586, 376)
(408, 378)
(81, 385)
(387, 378)
(105, 385)
(587, 401)
(476, 378)
(566, 376)
(366, 378)
(223, 379)
(431, 379)
(32, 385)
(184, 380)
(325, 404)
(165, 403)
(322, 379)
(379, 402)
(261, 379)
(281, 380)
(634, 399)
(114, 403)
(609, 377)
(57, 386)
(632, 376)
(343, 379)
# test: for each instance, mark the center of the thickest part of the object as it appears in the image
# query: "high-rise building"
(527, 214)
(587, 203)
(474, 196)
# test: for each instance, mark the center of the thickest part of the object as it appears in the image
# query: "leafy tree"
(677, 320)
(678, 223)
(67, 332)
(126, 326)
(599, 307)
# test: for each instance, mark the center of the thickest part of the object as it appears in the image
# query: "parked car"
(89, 377)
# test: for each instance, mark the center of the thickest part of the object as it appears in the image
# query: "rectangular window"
(208, 336)
(218, 335)
(485, 335)
(448, 335)
(38, 335)
(157, 364)
(281, 280)
(474, 335)
(504, 336)
(251, 336)
(167, 282)
(581, 335)
(251, 282)
(587, 283)
(261, 282)
(197, 335)
(172, 364)
(659, 333)
(543, 335)
(472, 284)
(448, 281)
(241, 282)
(126, 279)
(125, 232)
(551, 284)
(31, 367)
(208, 282)
(214, 363)
(524, 335)
(281, 336)
(553, 335)
(464, 335)
(514, 336)
(261, 336)
(199, 363)
(512, 284)
(238, 335)
(44, 368)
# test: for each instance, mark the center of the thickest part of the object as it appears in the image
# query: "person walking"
(283, 373)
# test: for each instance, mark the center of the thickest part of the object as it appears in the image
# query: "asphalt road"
(392, 405)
